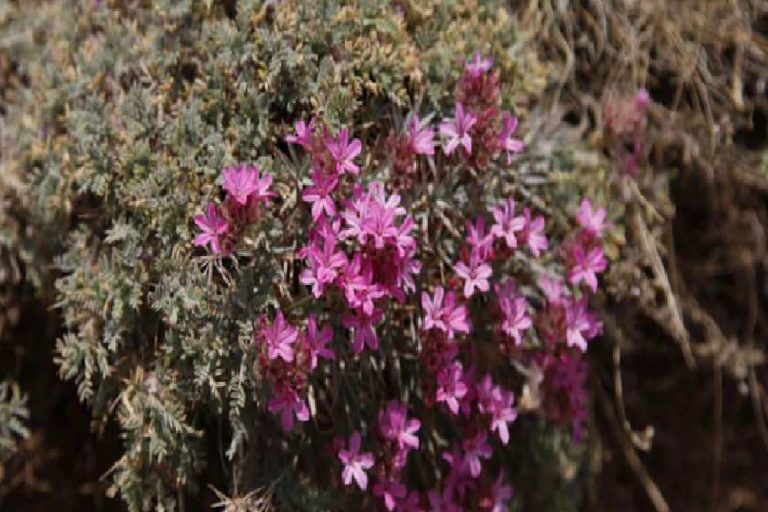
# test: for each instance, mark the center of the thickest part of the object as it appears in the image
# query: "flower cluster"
(221, 226)
(285, 359)
(361, 247)
(363, 266)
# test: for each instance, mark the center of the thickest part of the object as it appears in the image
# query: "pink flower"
(502, 412)
(420, 137)
(533, 233)
(303, 135)
(324, 266)
(501, 494)
(359, 287)
(508, 143)
(213, 227)
(450, 386)
(317, 342)
(480, 241)
(390, 491)
(585, 264)
(593, 221)
(364, 329)
(506, 224)
(514, 312)
(552, 288)
(476, 448)
(280, 336)
(478, 66)
(448, 317)
(395, 426)
(240, 182)
(287, 403)
(581, 325)
(355, 463)
(456, 130)
(320, 194)
(474, 276)
(344, 152)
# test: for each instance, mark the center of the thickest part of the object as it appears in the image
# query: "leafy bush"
(412, 260)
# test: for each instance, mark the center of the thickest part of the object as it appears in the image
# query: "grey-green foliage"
(13, 418)
(133, 110)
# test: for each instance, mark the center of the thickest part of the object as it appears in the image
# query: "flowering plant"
(460, 333)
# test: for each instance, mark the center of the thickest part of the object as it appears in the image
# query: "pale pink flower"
(593, 221)
(280, 337)
(344, 152)
(476, 448)
(287, 403)
(213, 227)
(585, 264)
(474, 276)
(478, 66)
(533, 233)
(508, 143)
(303, 135)
(456, 130)
(319, 195)
(355, 463)
(581, 325)
(442, 312)
(420, 137)
(501, 494)
(506, 225)
(451, 387)
(317, 342)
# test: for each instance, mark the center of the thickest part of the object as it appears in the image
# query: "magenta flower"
(213, 227)
(581, 325)
(476, 448)
(480, 241)
(506, 225)
(514, 310)
(303, 135)
(240, 182)
(502, 413)
(390, 491)
(280, 336)
(420, 137)
(355, 463)
(478, 66)
(593, 221)
(585, 264)
(287, 403)
(395, 426)
(448, 317)
(317, 342)
(359, 287)
(319, 195)
(552, 288)
(364, 330)
(508, 143)
(500, 494)
(533, 233)
(344, 152)
(474, 276)
(456, 130)
(324, 266)
(451, 387)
